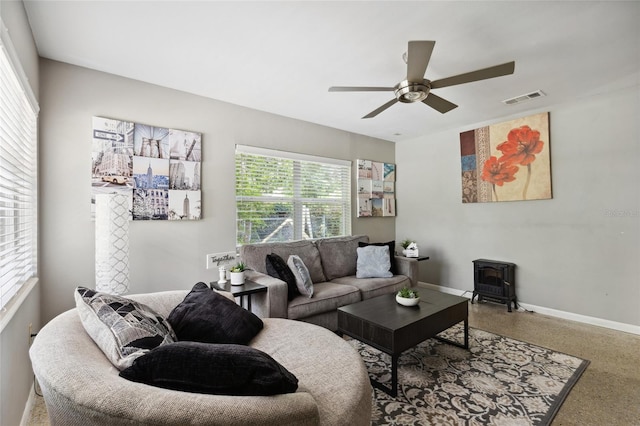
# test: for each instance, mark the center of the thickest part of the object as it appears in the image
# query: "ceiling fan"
(418, 89)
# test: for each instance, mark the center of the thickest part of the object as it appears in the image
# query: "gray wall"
(576, 253)
(15, 368)
(15, 18)
(163, 255)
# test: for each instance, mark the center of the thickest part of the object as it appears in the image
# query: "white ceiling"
(281, 57)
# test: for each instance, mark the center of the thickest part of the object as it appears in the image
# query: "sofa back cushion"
(254, 256)
(339, 255)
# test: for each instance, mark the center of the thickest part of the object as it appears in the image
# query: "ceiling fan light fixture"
(414, 96)
(408, 92)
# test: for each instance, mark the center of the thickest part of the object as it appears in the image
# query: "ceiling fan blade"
(438, 103)
(380, 109)
(483, 74)
(360, 89)
(418, 56)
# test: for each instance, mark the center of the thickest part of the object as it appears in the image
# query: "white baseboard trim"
(619, 326)
(31, 402)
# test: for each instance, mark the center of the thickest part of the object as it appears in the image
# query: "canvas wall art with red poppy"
(508, 161)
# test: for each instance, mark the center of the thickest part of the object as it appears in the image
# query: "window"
(18, 175)
(282, 196)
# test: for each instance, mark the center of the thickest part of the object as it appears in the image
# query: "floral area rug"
(498, 381)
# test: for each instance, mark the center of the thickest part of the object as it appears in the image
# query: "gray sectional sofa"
(332, 266)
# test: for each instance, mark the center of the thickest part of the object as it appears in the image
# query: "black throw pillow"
(207, 316)
(278, 268)
(392, 252)
(211, 369)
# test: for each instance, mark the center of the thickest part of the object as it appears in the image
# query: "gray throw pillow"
(373, 262)
(303, 279)
(122, 328)
(392, 252)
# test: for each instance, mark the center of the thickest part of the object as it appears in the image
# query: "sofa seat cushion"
(372, 287)
(325, 367)
(254, 256)
(339, 255)
(327, 296)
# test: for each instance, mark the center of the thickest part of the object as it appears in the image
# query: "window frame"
(18, 202)
(296, 199)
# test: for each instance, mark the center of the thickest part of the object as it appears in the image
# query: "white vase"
(405, 301)
(237, 278)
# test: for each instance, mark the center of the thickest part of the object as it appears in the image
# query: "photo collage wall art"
(376, 188)
(159, 169)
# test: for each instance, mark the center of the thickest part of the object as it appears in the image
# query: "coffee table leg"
(394, 375)
(466, 333)
(464, 345)
(393, 390)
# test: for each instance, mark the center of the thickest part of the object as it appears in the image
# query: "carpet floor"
(498, 381)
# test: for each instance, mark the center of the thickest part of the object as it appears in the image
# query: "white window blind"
(283, 196)
(18, 176)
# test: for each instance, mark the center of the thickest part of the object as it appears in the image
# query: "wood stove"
(495, 281)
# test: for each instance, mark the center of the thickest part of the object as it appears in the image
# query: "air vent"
(522, 98)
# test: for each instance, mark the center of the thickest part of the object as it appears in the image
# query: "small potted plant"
(237, 273)
(407, 297)
(409, 248)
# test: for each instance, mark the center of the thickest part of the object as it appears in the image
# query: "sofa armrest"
(272, 303)
(407, 266)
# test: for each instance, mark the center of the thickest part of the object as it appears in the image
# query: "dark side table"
(243, 291)
(419, 258)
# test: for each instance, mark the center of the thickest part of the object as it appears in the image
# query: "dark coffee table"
(392, 328)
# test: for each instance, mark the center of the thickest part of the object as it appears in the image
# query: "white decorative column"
(112, 243)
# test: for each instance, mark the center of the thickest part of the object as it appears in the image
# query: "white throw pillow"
(373, 262)
(300, 271)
